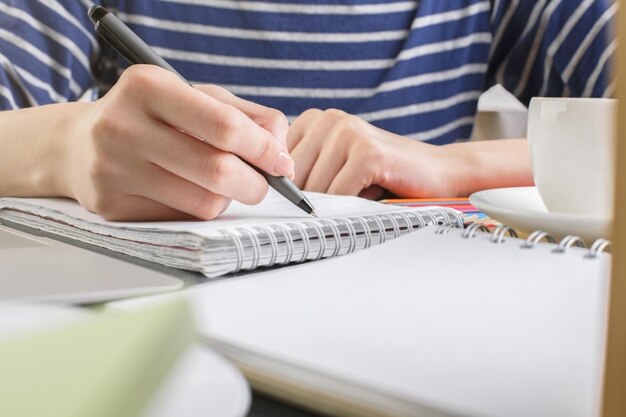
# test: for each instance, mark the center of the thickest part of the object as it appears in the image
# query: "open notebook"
(430, 324)
(243, 237)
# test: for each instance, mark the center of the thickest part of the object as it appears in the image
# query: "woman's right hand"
(155, 148)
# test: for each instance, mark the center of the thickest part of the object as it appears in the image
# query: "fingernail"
(284, 165)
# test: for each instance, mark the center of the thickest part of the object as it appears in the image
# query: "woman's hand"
(339, 153)
(156, 148)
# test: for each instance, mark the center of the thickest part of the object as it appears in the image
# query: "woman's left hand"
(338, 153)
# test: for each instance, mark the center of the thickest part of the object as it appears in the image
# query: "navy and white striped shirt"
(415, 68)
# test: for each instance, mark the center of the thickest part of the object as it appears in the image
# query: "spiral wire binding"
(350, 229)
(304, 237)
(351, 234)
(394, 224)
(445, 228)
(239, 249)
(471, 230)
(500, 233)
(344, 233)
(535, 237)
(455, 217)
(336, 235)
(569, 241)
(382, 234)
(445, 217)
(407, 221)
(598, 247)
(256, 246)
(367, 231)
(417, 217)
(431, 216)
(273, 243)
(498, 236)
(449, 217)
(288, 241)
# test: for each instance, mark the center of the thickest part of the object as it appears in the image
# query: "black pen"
(136, 51)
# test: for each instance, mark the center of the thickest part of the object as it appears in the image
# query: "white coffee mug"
(572, 154)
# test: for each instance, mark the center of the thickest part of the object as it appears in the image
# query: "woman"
(399, 82)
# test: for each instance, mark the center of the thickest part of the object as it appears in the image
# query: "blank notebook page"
(427, 323)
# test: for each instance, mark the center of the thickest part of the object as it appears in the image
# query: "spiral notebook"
(441, 322)
(242, 238)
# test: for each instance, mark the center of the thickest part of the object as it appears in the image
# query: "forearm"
(340, 153)
(488, 164)
(34, 144)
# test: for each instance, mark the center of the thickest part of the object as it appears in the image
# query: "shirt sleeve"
(48, 52)
(553, 47)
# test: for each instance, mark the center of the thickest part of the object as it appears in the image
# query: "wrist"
(71, 132)
(34, 148)
(53, 175)
(475, 166)
(424, 170)
(461, 169)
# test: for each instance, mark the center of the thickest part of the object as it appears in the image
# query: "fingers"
(176, 193)
(222, 125)
(138, 200)
(139, 147)
(329, 162)
(200, 163)
(306, 138)
(326, 142)
(301, 126)
(141, 209)
(350, 180)
(306, 153)
(270, 119)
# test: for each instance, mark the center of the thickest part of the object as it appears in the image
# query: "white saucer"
(523, 209)
(200, 383)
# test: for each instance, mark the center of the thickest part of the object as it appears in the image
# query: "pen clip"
(116, 44)
(125, 41)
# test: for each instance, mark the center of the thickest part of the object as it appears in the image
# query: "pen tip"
(313, 213)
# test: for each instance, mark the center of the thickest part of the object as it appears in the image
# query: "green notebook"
(105, 366)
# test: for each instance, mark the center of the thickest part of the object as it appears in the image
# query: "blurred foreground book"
(102, 366)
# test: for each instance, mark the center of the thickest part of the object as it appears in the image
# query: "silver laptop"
(34, 268)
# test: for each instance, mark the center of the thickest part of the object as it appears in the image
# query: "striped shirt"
(415, 68)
